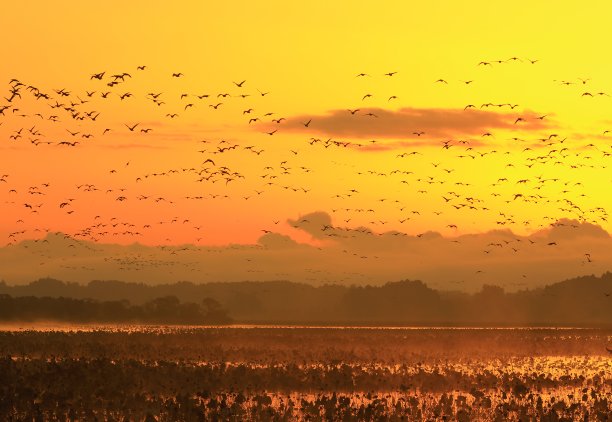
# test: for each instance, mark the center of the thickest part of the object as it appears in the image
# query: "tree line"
(162, 310)
(579, 301)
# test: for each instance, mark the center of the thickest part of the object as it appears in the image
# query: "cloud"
(406, 122)
(130, 146)
(277, 241)
(566, 229)
(314, 224)
(345, 255)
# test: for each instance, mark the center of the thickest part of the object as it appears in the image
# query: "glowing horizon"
(233, 120)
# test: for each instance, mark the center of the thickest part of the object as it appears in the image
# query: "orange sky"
(367, 169)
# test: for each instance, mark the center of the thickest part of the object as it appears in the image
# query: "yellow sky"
(307, 57)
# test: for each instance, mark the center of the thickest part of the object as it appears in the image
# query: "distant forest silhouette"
(582, 301)
(163, 310)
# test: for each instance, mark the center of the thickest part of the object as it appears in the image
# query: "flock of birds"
(543, 174)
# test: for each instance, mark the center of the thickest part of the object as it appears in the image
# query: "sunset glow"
(218, 124)
(325, 210)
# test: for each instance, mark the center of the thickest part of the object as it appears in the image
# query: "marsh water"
(135, 372)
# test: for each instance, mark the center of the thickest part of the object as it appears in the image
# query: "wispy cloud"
(131, 146)
(414, 123)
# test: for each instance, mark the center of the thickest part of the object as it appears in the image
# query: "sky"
(223, 125)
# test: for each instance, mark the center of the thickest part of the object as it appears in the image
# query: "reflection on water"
(261, 372)
(67, 327)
